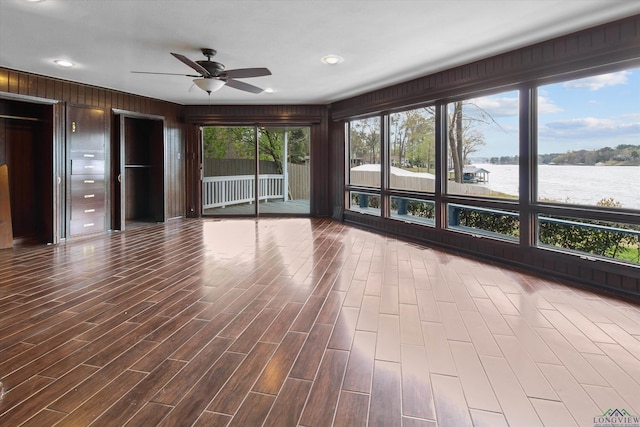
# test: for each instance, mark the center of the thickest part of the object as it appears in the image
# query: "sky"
(589, 113)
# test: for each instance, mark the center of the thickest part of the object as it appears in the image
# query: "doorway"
(138, 190)
(27, 147)
(256, 170)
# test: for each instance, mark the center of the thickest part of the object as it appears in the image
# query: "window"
(367, 203)
(589, 155)
(589, 141)
(364, 152)
(584, 178)
(412, 145)
(483, 146)
(482, 221)
(593, 237)
(413, 210)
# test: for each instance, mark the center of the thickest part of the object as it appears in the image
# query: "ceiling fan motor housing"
(214, 68)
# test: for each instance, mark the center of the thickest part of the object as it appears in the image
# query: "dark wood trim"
(337, 167)
(137, 115)
(59, 181)
(26, 98)
(193, 159)
(252, 114)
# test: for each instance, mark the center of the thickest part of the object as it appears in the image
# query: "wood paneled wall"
(600, 48)
(29, 85)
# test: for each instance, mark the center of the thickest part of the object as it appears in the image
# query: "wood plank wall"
(30, 85)
(599, 48)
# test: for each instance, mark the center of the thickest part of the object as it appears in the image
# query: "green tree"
(412, 137)
(271, 147)
(364, 140)
(228, 142)
(222, 142)
(463, 136)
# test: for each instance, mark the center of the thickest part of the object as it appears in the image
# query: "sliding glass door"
(234, 183)
(285, 167)
(229, 169)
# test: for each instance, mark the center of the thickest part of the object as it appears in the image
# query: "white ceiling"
(382, 42)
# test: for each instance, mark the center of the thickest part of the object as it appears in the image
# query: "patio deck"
(295, 207)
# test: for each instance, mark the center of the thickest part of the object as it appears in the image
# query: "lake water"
(574, 184)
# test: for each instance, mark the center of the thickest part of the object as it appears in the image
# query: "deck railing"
(221, 191)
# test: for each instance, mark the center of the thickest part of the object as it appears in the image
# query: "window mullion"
(441, 163)
(384, 165)
(528, 164)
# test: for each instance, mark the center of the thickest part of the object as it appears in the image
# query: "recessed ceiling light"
(63, 63)
(269, 90)
(332, 59)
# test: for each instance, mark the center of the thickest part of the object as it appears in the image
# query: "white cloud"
(497, 106)
(546, 106)
(630, 117)
(590, 127)
(599, 82)
(582, 123)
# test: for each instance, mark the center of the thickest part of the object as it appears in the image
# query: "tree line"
(412, 137)
(221, 142)
(621, 155)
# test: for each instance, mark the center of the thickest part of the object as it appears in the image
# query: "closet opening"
(27, 150)
(138, 175)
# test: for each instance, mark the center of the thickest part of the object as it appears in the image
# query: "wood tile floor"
(285, 322)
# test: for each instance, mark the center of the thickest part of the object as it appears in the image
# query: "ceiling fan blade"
(241, 73)
(166, 74)
(243, 86)
(199, 68)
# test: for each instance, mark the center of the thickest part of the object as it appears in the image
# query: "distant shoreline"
(609, 163)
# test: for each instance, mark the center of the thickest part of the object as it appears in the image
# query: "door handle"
(119, 177)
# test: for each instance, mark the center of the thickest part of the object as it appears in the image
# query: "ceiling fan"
(213, 75)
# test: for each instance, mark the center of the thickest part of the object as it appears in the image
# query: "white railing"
(221, 191)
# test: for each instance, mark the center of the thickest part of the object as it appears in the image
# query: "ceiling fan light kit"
(209, 84)
(213, 75)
